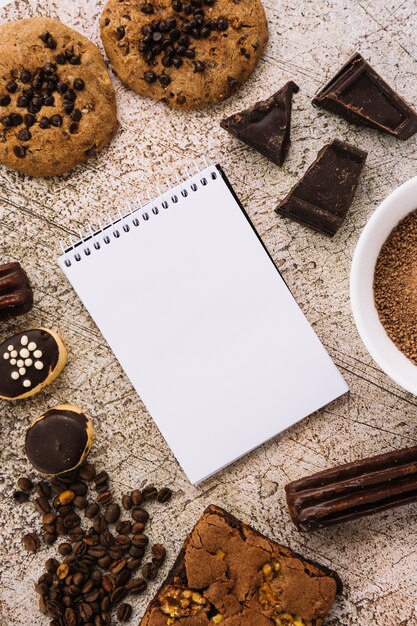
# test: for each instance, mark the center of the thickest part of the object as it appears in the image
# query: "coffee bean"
(41, 504)
(138, 527)
(140, 515)
(164, 494)
(63, 510)
(88, 587)
(87, 470)
(112, 513)
(56, 120)
(20, 496)
(96, 577)
(133, 564)
(49, 518)
(31, 542)
(24, 135)
(123, 527)
(60, 528)
(115, 553)
(149, 571)
(123, 542)
(118, 594)
(158, 553)
(149, 492)
(70, 617)
(107, 539)
(124, 612)
(105, 604)
(51, 565)
(79, 488)
(136, 586)
(49, 528)
(42, 589)
(99, 524)
(85, 611)
(136, 552)
(5, 101)
(127, 502)
(71, 521)
(105, 497)
(76, 115)
(49, 538)
(102, 478)
(80, 502)
(140, 541)
(108, 583)
(11, 86)
(91, 510)
(29, 120)
(64, 549)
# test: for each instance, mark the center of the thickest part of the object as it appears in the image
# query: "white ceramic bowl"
(384, 352)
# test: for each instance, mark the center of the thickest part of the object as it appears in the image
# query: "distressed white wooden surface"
(376, 557)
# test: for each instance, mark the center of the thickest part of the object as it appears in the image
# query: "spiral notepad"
(190, 302)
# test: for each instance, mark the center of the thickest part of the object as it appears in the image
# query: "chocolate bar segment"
(16, 297)
(321, 199)
(266, 126)
(354, 490)
(359, 95)
(229, 573)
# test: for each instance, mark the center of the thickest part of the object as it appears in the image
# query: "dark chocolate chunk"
(78, 84)
(20, 151)
(5, 100)
(266, 126)
(358, 94)
(16, 297)
(56, 120)
(354, 490)
(321, 199)
(57, 441)
(24, 135)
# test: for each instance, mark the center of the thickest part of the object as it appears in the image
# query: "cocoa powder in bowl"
(395, 286)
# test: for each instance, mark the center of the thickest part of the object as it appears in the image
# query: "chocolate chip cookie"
(57, 103)
(187, 53)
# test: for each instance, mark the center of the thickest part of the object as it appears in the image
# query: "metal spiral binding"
(137, 212)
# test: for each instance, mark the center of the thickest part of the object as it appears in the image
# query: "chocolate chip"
(56, 120)
(76, 115)
(70, 95)
(164, 494)
(73, 128)
(120, 32)
(68, 107)
(25, 76)
(29, 120)
(78, 84)
(164, 79)
(232, 83)
(75, 59)
(45, 36)
(7, 121)
(49, 68)
(16, 118)
(61, 88)
(51, 43)
(20, 497)
(199, 67)
(34, 108)
(177, 6)
(5, 101)
(22, 102)
(44, 123)
(222, 24)
(61, 59)
(11, 86)
(189, 54)
(150, 77)
(49, 101)
(24, 135)
(147, 8)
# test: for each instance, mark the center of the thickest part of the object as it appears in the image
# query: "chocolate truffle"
(59, 440)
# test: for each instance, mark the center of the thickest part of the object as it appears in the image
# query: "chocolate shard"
(358, 94)
(266, 126)
(16, 297)
(321, 199)
(354, 490)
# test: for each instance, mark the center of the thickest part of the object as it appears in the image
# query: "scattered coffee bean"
(140, 540)
(149, 492)
(127, 502)
(80, 502)
(104, 497)
(49, 538)
(99, 524)
(124, 612)
(20, 496)
(149, 571)
(118, 594)
(164, 495)
(79, 488)
(123, 527)
(91, 510)
(138, 527)
(140, 515)
(112, 513)
(136, 552)
(158, 554)
(31, 542)
(137, 497)
(136, 585)
(51, 565)
(49, 518)
(102, 478)
(87, 470)
(41, 504)
(64, 549)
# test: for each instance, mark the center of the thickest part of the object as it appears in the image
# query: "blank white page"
(203, 325)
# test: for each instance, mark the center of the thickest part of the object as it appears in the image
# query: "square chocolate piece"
(321, 199)
(266, 126)
(359, 95)
(229, 573)
(16, 297)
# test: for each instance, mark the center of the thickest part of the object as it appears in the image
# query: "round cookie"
(186, 53)
(57, 102)
(59, 440)
(29, 361)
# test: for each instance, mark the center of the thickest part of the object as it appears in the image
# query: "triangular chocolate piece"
(358, 94)
(321, 199)
(266, 126)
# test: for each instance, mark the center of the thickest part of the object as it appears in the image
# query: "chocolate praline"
(59, 440)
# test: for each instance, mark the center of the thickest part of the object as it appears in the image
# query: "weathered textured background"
(376, 557)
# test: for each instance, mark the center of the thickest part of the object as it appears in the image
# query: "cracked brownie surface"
(186, 53)
(57, 103)
(229, 573)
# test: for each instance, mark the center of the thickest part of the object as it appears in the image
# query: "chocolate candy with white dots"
(29, 361)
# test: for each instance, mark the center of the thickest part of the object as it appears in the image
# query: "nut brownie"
(228, 572)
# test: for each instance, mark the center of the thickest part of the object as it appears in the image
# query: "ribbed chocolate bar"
(359, 94)
(354, 490)
(16, 297)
